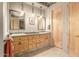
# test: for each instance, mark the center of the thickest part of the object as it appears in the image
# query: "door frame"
(66, 17)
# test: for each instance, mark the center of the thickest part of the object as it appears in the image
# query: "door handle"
(77, 35)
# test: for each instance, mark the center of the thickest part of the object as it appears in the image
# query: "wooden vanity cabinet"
(29, 43)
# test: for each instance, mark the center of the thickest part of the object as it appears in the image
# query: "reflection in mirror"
(17, 21)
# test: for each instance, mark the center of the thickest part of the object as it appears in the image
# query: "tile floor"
(46, 52)
(52, 52)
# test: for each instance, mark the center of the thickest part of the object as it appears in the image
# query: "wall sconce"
(33, 10)
(41, 12)
(22, 11)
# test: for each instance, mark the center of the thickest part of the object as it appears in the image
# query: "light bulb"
(33, 14)
(22, 13)
(40, 16)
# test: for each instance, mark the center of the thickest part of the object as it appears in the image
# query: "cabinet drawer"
(20, 42)
(20, 38)
(17, 39)
(42, 39)
(23, 38)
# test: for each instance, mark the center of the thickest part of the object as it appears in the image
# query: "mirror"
(41, 24)
(16, 21)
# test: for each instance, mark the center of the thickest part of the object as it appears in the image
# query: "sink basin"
(30, 32)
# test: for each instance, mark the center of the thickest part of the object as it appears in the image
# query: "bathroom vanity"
(30, 42)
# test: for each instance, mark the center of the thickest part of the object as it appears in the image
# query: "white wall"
(66, 27)
(5, 20)
(1, 29)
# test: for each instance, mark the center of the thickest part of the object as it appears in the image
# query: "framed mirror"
(16, 20)
(42, 24)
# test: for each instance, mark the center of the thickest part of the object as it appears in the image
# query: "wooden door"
(74, 29)
(58, 26)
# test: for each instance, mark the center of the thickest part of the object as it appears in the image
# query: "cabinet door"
(20, 44)
(17, 46)
(32, 43)
(47, 39)
(24, 43)
(43, 41)
(74, 29)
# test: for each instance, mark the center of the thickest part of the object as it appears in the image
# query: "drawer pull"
(46, 38)
(19, 43)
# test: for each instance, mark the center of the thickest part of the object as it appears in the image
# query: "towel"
(9, 47)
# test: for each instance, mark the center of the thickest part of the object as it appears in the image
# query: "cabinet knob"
(19, 43)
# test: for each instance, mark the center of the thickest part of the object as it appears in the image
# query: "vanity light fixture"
(41, 12)
(33, 10)
(22, 11)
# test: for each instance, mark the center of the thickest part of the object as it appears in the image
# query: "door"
(58, 26)
(74, 29)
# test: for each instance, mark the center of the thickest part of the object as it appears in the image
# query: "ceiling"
(48, 4)
(44, 5)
